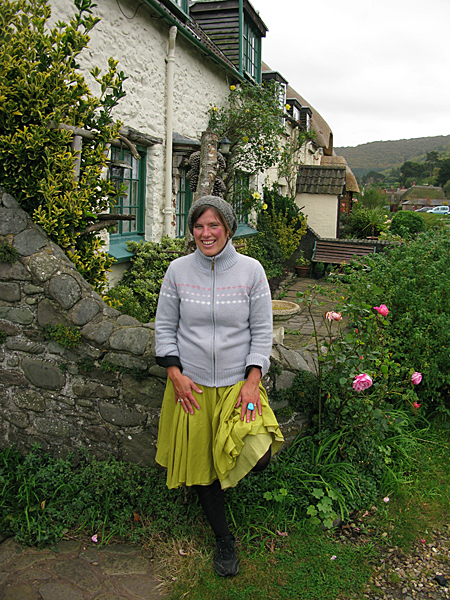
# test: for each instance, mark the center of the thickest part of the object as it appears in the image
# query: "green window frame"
(251, 52)
(183, 4)
(183, 203)
(241, 194)
(132, 202)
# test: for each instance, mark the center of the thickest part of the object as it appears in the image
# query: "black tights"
(212, 500)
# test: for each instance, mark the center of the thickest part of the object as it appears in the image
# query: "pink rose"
(382, 309)
(362, 382)
(416, 378)
(333, 316)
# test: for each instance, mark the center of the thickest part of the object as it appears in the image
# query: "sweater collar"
(222, 261)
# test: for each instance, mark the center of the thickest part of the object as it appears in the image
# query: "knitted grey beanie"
(222, 205)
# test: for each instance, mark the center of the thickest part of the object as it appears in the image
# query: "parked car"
(440, 210)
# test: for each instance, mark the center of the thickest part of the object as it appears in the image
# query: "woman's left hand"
(250, 394)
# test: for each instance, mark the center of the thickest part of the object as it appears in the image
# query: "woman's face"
(209, 234)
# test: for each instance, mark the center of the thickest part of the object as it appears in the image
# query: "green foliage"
(253, 121)
(281, 226)
(302, 395)
(42, 498)
(364, 222)
(8, 254)
(69, 337)
(444, 172)
(413, 280)
(372, 198)
(40, 89)
(3, 336)
(137, 294)
(406, 223)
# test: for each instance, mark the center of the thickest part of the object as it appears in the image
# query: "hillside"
(379, 156)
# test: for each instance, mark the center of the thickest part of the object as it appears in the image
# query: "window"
(125, 169)
(241, 196)
(251, 53)
(182, 204)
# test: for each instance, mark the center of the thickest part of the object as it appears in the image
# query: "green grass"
(302, 567)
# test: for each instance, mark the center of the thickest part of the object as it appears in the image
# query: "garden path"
(301, 324)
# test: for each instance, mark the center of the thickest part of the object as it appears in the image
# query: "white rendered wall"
(140, 45)
(322, 212)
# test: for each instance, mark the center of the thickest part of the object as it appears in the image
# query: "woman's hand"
(183, 387)
(250, 393)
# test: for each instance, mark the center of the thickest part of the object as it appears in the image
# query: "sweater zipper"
(214, 318)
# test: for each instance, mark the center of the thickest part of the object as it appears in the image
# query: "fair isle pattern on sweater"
(216, 320)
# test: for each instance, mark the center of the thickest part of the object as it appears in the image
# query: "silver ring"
(180, 400)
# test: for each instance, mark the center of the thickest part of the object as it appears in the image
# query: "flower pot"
(302, 270)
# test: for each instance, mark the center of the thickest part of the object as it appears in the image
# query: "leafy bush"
(281, 226)
(407, 223)
(41, 89)
(413, 280)
(69, 337)
(138, 292)
(365, 222)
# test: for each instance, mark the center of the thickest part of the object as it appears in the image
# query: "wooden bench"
(338, 253)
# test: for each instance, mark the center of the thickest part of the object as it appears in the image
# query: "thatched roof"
(351, 185)
(324, 135)
(319, 179)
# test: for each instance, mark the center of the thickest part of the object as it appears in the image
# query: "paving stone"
(20, 591)
(119, 549)
(25, 561)
(58, 591)
(33, 574)
(79, 573)
(68, 546)
(125, 565)
(110, 596)
(142, 587)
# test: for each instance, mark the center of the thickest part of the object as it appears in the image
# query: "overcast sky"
(374, 70)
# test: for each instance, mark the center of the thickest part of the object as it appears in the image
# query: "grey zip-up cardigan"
(214, 317)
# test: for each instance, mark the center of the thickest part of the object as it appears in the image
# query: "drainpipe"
(170, 60)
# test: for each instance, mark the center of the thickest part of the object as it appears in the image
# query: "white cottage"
(175, 74)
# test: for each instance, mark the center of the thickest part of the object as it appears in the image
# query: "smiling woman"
(213, 334)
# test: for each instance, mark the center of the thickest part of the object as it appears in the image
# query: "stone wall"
(104, 394)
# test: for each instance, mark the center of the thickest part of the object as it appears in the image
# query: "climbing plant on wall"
(40, 89)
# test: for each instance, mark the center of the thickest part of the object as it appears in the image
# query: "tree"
(444, 172)
(371, 198)
(43, 99)
(373, 177)
(433, 159)
(412, 170)
(253, 122)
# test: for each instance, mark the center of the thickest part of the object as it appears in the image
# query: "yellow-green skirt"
(213, 443)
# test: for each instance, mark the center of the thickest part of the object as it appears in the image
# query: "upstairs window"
(251, 53)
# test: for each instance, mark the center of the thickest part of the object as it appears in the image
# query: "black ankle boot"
(225, 560)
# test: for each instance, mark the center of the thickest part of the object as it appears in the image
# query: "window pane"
(128, 203)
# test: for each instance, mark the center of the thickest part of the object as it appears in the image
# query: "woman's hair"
(197, 213)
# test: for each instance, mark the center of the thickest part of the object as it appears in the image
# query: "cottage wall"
(322, 212)
(140, 44)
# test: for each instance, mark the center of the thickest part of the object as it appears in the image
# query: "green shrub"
(138, 292)
(413, 280)
(407, 223)
(364, 222)
(40, 89)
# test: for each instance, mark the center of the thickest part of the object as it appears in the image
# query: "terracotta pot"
(302, 271)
